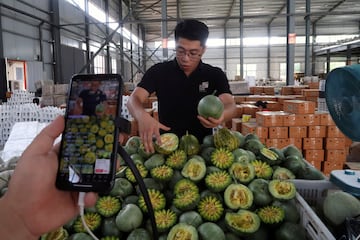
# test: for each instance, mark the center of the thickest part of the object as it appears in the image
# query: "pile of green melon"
(227, 186)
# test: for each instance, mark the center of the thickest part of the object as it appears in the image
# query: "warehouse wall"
(22, 33)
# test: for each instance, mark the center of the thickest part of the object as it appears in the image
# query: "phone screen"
(87, 157)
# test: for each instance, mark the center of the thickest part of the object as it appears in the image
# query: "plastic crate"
(313, 192)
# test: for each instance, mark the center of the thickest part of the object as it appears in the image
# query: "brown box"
(325, 119)
(270, 118)
(317, 131)
(273, 106)
(312, 143)
(316, 164)
(290, 120)
(328, 166)
(278, 132)
(239, 99)
(252, 127)
(249, 109)
(307, 120)
(298, 132)
(269, 90)
(299, 106)
(297, 90)
(238, 111)
(287, 90)
(314, 155)
(297, 142)
(334, 132)
(314, 85)
(335, 155)
(277, 143)
(236, 124)
(310, 92)
(334, 143)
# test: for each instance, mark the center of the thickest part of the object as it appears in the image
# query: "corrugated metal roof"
(216, 13)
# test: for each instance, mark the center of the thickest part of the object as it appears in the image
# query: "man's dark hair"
(193, 30)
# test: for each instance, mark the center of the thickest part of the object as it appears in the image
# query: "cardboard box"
(297, 132)
(325, 119)
(270, 118)
(312, 143)
(236, 124)
(328, 166)
(273, 106)
(249, 109)
(269, 90)
(334, 132)
(335, 155)
(317, 131)
(252, 127)
(299, 106)
(334, 143)
(239, 99)
(277, 143)
(238, 111)
(308, 119)
(297, 142)
(278, 132)
(316, 164)
(310, 92)
(314, 155)
(290, 120)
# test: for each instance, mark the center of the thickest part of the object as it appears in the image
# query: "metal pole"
(307, 39)
(290, 46)
(242, 39)
(164, 29)
(55, 30)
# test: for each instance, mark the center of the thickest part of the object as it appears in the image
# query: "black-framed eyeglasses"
(192, 54)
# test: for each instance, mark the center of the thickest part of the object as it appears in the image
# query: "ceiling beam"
(329, 11)
(230, 11)
(277, 13)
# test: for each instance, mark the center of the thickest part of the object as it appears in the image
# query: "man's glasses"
(192, 54)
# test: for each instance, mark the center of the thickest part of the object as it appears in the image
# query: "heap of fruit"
(229, 186)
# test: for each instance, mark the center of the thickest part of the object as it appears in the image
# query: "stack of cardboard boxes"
(322, 143)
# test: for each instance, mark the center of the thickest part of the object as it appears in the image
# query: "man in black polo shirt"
(179, 85)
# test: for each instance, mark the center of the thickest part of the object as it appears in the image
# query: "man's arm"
(229, 106)
(148, 126)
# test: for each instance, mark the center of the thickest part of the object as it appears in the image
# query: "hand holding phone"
(87, 157)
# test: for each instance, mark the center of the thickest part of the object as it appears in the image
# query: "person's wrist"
(11, 224)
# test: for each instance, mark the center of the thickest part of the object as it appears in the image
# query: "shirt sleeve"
(148, 81)
(221, 82)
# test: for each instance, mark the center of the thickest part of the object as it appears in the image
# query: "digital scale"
(347, 180)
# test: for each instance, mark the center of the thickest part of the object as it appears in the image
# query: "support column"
(225, 49)
(3, 83)
(121, 41)
(164, 29)
(242, 39)
(87, 31)
(307, 39)
(268, 62)
(313, 57)
(328, 61)
(291, 40)
(55, 31)
(107, 58)
(348, 54)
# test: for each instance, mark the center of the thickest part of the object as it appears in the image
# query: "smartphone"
(88, 148)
